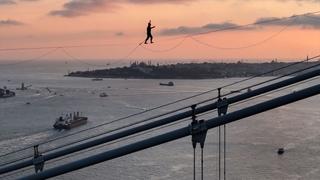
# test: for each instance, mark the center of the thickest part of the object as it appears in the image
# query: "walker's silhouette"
(149, 35)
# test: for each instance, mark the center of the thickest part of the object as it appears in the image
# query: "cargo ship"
(70, 121)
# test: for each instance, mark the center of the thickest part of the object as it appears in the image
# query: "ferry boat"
(167, 84)
(5, 93)
(70, 121)
(103, 94)
(97, 79)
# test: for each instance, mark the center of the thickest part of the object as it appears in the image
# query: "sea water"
(252, 143)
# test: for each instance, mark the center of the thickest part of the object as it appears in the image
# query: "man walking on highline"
(149, 35)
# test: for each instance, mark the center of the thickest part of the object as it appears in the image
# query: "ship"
(70, 121)
(167, 84)
(5, 93)
(103, 94)
(23, 87)
(97, 79)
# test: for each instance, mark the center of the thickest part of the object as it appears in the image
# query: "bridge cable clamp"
(222, 106)
(198, 130)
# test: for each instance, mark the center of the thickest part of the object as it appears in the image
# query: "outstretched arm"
(153, 27)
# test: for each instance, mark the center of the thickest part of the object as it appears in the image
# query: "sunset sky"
(122, 24)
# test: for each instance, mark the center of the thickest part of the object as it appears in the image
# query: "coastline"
(191, 71)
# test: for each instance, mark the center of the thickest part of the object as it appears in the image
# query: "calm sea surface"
(252, 143)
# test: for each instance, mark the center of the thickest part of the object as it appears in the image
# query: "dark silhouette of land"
(142, 70)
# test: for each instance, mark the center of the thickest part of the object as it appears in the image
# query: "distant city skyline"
(122, 24)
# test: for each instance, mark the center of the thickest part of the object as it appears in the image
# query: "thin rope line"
(247, 46)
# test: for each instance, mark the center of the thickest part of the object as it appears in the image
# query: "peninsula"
(142, 70)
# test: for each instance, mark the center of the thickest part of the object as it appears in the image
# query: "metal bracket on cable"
(222, 105)
(38, 160)
(198, 131)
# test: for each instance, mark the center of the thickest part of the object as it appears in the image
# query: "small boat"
(170, 83)
(280, 151)
(97, 79)
(103, 94)
(5, 93)
(70, 121)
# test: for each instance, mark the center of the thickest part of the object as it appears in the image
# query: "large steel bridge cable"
(140, 134)
(309, 67)
(264, 82)
(176, 134)
(214, 110)
(100, 146)
(232, 99)
(262, 95)
(262, 22)
(161, 127)
(120, 119)
(232, 92)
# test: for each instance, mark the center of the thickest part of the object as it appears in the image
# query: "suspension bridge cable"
(77, 46)
(64, 46)
(97, 65)
(167, 49)
(271, 71)
(64, 49)
(178, 133)
(162, 127)
(107, 123)
(132, 51)
(79, 60)
(30, 60)
(174, 102)
(299, 83)
(262, 95)
(103, 145)
(247, 46)
(237, 82)
(255, 23)
(87, 138)
(241, 102)
(264, 82)
(145, 120)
